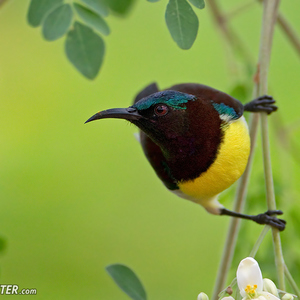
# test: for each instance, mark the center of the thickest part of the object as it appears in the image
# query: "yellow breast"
(229, 165)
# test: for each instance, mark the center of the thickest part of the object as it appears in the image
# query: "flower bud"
(287, 297)
(269, 286)
(229, 290)
(202, 296)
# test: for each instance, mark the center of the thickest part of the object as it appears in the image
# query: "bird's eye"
(161, 110)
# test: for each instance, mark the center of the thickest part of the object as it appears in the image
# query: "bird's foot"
(265, 218)
(261, 104)
(268, 219)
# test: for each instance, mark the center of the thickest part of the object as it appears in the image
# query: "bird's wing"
(151, 150)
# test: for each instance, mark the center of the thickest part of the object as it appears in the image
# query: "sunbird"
(196, 140)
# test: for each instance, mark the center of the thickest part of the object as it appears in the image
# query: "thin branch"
(269, 18)
(290, 32)
(2, 2)
(222, 19)
(270, 9)
(259, 241)
(230, 36)
(238, 206)
(236, 11)
(291, 281)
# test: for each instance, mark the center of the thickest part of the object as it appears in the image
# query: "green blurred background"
(75, 197)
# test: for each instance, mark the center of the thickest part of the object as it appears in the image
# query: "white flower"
(250, 281)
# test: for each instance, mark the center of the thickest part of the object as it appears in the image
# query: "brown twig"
(270, 13)
(230, 36)
(236, 11)
(260, 79)
(290, 32)
(2, 2)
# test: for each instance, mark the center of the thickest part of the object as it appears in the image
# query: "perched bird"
(197, 141)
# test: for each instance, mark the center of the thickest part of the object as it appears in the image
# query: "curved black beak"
(129, 114)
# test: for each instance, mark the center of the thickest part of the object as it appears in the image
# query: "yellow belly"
(229, 165)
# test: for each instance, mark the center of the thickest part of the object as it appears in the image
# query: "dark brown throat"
(192, 153)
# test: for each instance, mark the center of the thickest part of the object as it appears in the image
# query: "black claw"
(261, 104)
(267, 109)
(267, 219)
(264, 101)
(279, 225)
(274, 212)
(265, 97)
(274, 107)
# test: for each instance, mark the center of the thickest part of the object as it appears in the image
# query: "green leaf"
(38, 9)
(92, 19)
(98, 6)
(127, 281)
(85, 50)
(57, 22)
(121, 7)
(182, 23)
(198, 3)
(152, 0)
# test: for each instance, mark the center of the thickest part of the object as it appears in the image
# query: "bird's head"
(162, 116)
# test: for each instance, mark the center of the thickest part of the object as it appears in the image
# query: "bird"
(196, 139)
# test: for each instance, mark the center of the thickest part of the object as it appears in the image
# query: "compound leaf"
(85, 50)
(98, 6)
(57, 23)
(92, 19)
(182, 23)
(38, 10)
